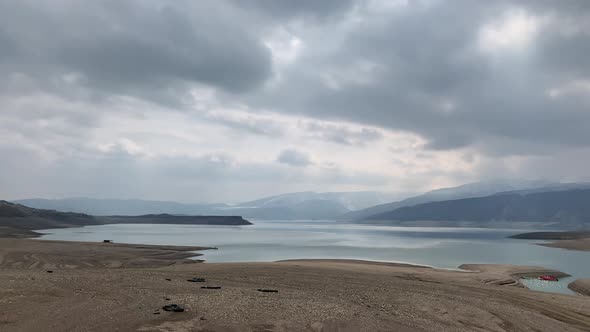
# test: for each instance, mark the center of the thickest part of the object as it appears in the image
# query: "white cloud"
(515, 30)
(576, 87)
(285, 46)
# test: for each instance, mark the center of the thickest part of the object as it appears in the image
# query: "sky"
(229, 100)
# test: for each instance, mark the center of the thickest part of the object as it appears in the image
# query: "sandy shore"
(96, 287)
(37, 254)
(581, 286)
(578, 244)
(571, 240)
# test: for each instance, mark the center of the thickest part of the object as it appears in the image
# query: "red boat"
(548, 278)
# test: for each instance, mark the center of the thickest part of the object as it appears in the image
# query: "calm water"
(276, 240)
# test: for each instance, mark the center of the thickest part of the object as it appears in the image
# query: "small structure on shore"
(107, 241)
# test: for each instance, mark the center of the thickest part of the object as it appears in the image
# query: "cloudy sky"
(227, 100)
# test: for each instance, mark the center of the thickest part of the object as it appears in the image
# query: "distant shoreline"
(570, 240)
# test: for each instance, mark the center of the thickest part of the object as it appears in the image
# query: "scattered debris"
(265, 290)
(173, 308)
(197, 280)
(211, 287)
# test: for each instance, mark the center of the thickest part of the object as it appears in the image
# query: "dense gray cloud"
(366, 87)
(427, 74)
(145, 48)
(293, 157)
(286, 9)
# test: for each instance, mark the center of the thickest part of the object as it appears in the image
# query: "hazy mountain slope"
(476, 189)
(307, 209)
(567, 206)
(349, 200)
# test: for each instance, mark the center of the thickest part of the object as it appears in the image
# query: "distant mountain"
(307, 209)
(348, 200)
(300, 205)
(476, 189)
(569, 207)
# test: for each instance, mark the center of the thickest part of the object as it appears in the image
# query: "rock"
(49, 271)
(266, 290)
(173, 308)
(196, 280)
(168, 279)
(211, 287)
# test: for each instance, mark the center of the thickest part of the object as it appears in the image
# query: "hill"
(20, 221)
(23, 217)
(569, 208)
(476, 189)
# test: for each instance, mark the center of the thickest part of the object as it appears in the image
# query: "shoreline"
(569, 240)
(498, 274)
(126, 285)
(19, 253)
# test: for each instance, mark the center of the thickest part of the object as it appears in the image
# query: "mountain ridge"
(568, 207)
(475, 189)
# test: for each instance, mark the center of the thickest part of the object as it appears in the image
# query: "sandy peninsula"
(571, 240)
(110, 287)
(581, 286)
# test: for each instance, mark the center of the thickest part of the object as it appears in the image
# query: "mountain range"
(299, 205)
(480, 201)
(476, 189)
(568, 208)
